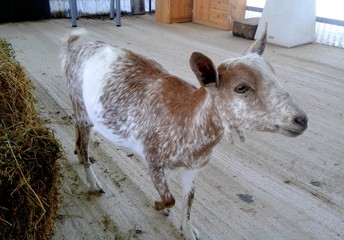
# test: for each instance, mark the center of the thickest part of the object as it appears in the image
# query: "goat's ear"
(259, 45)
(204, 70)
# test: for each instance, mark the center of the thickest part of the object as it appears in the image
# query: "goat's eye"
(242, 89)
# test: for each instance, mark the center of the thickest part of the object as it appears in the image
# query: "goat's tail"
(68, 42)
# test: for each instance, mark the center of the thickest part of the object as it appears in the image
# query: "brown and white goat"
(135, 103)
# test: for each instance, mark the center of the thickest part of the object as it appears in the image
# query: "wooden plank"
(237, 9)
(163, 11)
(219, 4)
(181, 10)
(200, 10)
(220, 17)
(172, 11)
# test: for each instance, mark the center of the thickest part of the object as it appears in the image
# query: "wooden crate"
(173, 11)
(218, 13)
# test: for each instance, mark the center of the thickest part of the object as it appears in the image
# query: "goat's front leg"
(81, 149)
(77, 143)
(189, 231)
(160, 182)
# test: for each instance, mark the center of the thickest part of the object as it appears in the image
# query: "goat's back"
(129, 99)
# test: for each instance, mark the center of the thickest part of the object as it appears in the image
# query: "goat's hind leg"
(81, 149)
(160, 182)
(189, 231)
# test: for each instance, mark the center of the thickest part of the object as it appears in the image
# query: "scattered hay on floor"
(28, 154)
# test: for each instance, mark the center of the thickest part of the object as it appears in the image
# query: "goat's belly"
(96, 70)
(130, 143)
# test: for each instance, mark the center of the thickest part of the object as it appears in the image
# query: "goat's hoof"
(92, 159)
(97, 189)
(160, 205)
(165, 212)
(98, 192)
(100, 188)
(190, 232)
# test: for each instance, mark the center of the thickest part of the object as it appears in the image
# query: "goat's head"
(248, 94)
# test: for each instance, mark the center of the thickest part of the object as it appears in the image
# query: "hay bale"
(28, 154)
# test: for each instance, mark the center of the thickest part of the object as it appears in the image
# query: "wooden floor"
(270, 187)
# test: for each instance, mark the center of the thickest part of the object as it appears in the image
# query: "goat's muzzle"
(297, 126)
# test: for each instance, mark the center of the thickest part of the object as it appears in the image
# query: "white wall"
(327, 34)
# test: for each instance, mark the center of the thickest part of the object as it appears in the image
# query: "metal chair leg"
(118, 13)
(112, 9)
(73, 12)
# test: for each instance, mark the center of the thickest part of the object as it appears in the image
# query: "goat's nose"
(301, 121)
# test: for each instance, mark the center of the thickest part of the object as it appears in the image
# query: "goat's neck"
(227, 122)
(207, 117)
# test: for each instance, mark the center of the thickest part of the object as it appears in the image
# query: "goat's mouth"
(289, 132)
